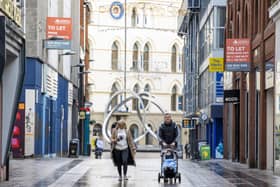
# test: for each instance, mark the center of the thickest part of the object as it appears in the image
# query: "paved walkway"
(84, 171)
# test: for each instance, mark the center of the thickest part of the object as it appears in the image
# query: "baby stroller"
(169, 166)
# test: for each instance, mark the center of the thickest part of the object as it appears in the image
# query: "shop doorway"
(237, 132)
(269, 122)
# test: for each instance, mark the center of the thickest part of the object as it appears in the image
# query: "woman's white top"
(122, 139)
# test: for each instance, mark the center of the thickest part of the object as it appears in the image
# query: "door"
(237, 133)
(269, 122)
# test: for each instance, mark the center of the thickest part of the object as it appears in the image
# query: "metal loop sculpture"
(141, 113)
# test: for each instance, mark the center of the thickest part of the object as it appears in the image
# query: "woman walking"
(123, 149)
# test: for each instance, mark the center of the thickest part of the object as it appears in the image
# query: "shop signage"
(231, 96)
(188, 123)
(57, 44)
(11, 10)
(269, 74)
(59, 27)
(216, 64)
(219, 87)
(116, 10)
(238, 54)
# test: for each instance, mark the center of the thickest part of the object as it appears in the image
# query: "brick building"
(248, 124)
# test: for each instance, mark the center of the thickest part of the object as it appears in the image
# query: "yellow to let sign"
(216, 64)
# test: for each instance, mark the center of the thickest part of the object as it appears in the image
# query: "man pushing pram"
(168, 133)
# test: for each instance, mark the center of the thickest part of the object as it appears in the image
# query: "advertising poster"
(18, 133)
(29, 122)
(238, 53)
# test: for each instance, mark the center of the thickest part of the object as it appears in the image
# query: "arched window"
(173, 59)
(136, 89)
(114, 89)
(115, 56)
(135, 57)
(134, 130)
(146, 89)
(149, 138)
(97, 130)
(146, 57)
(133, 18)
(174, 99)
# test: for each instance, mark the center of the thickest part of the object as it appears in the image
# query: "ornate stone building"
(148, 46)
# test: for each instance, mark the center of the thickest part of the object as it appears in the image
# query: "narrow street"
(86, 171)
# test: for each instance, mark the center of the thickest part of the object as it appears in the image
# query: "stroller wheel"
(165, 180)
(159, 177)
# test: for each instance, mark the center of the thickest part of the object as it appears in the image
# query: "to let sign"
(238, 54)
(59, 27)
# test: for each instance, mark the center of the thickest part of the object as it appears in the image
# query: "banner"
(59, 27)
(238, 53)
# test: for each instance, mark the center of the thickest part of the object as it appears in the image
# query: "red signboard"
(59, 27)
(238, 53)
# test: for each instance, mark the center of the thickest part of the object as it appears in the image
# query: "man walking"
(168, 131)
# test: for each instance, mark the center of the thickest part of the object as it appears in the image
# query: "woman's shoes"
(124, 178)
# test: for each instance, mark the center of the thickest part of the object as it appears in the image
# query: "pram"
(169, 166)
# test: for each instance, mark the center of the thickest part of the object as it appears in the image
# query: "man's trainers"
(125, 178)
(120, 178)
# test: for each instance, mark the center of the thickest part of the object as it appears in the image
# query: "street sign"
(238, 53)
(57, 44)
(219, 87)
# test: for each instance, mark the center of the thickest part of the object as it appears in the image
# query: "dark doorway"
(237, 133)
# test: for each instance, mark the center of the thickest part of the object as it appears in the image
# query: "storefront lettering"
(11, 10)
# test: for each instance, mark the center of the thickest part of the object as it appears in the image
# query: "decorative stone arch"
(118, 81)
(177, 83)
(138, 41)
(119, 40)
(149, 82)
(134, 83)
(177, 42)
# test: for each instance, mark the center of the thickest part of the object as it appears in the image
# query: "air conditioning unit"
(193, 4)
